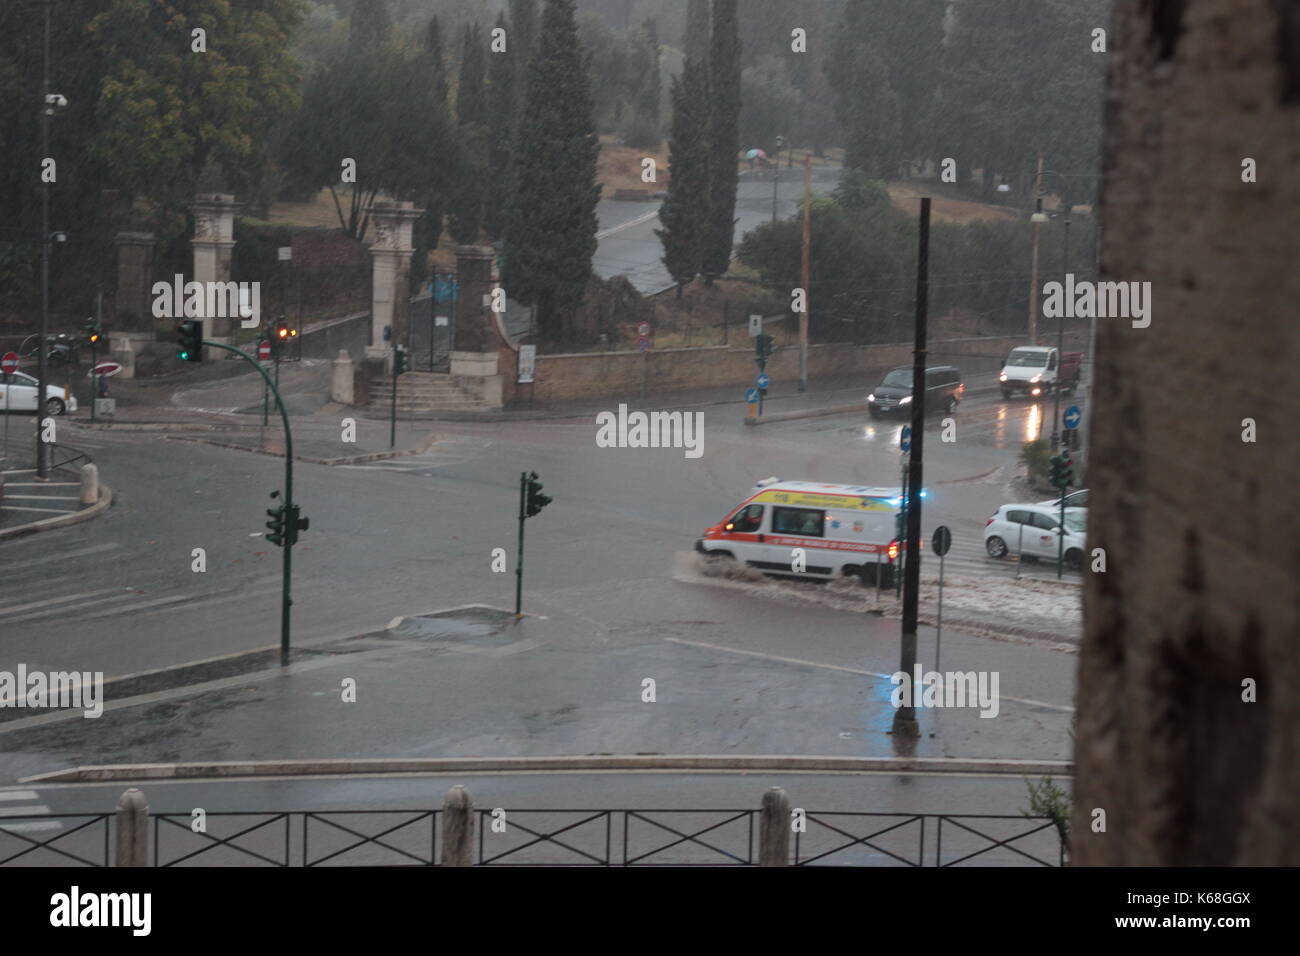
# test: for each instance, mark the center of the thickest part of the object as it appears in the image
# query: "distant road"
(628, 245)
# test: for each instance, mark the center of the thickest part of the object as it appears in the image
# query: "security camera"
(56, 99)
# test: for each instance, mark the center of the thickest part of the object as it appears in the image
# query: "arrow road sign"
(1072, 417)
(905, 438)
(751, 395)
(763, 380)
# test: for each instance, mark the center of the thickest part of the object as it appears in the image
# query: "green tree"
(471, 111)
(356, 113)
(868, 109)
(770, 105)
(646, 89)
(551, 233)
(471, 94)
(502, 100)
(437, 61)
(724, 138)
(695, 41)
(685, 211)
(369, 27)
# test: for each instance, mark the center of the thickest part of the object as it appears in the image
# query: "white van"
(841, 529)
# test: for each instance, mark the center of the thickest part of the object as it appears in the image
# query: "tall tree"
(471, 113)
(724, 138)
(647, 89)
(370, 27)
(501, 99)
(523, 31)
(695, 41)
(437, 61)
(868, 110)
(551, 234)
(685, 211)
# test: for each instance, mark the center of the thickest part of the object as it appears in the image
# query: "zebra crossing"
(15, 804)
(967, 557)
(443, 454)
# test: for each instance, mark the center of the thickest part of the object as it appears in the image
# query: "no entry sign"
(9, 363)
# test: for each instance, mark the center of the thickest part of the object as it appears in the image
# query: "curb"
(808, 413)
(63, 521)
(352, 460)
(160, 427)
(482, 765)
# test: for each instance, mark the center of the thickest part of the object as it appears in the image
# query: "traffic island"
(30, 506)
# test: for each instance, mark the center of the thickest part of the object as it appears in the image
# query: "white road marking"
(17, 794)
(7, 609)
(23, 811)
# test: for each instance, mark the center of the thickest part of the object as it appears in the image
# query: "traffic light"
(536, 501)
(190, 334)
(285, 524)
(1067, 469)
(93, 331)
(399, 360)
(275, 527)
(764, 346)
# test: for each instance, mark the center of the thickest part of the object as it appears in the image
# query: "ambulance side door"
(745, 539)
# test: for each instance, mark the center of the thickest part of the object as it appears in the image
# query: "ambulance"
(808, 529)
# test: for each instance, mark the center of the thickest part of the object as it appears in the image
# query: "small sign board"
(105, 370)
(1073, 417)
(755, 326)
(643, 330)
(105, 406)
(942, 540)
(527, 363)
(440, 321)
(9, 363)
(751, 396)
(763, 381)
(905, 438)
(285, 253)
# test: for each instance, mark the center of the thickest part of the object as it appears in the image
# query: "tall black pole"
(519, 560)
(43, 449)
(1060, 331)
(905, 717)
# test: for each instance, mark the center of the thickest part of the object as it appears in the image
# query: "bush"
(1037, 456)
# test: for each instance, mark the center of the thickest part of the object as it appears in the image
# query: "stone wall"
(1201, 592)
(600, 375)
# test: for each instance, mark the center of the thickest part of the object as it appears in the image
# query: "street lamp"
(776, 173)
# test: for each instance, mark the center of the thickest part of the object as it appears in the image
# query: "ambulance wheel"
(719, 560)
(996, 547)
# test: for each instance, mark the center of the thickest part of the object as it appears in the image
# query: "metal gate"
(433, 324)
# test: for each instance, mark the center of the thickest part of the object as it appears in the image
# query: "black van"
(943, 390)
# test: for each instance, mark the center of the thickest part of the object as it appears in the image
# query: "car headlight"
(871, 397)
(1002, 376)
(1036, 378)
(905, 400)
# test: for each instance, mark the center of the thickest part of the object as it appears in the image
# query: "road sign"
(284, 253)
(905, 438)
(1072, 417)
(527, 363)
(264, 350)
(104, 370)
(755, 325)
(751, 395)
(763, 380)
(9, 364)
(942, 540)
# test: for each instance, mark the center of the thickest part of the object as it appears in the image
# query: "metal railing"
(531, 837)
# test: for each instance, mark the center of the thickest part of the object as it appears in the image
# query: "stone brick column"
(213, 243)
(390, 257)
(132, 310)
(474, 357)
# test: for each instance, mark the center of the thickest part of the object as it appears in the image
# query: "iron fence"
(545, 837)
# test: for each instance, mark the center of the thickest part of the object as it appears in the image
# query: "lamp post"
(47, 108)
(776, 173)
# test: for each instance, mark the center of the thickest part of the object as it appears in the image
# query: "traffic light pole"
(392, 410)
(519, 562)
(286, 599)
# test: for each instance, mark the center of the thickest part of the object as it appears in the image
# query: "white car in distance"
(1034, 531)
(20, 396)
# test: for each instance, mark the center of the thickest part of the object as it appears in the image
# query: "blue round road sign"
(751, 395)
(905, 438)
(1073, 417)
(763, 380)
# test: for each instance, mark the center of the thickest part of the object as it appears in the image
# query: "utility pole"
(776, 173)
(1033, 281)
(1060, 327)
(807, 240)
(905, 717)
(42, 448)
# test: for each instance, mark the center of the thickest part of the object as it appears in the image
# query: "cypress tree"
(369, 26)
(685, 211)
(724, 138)
(695, 41)
(551, 230)
(502, 70)
(437, 65)
(643, 128)
(471, 111)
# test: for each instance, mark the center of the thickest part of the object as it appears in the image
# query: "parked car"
(1035, 370)
(943, 390)
(1075, 499)
(1034, 530)
(20, 396)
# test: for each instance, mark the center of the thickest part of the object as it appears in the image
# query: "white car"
(1075, 499)
(20, 396)
(1034, 530)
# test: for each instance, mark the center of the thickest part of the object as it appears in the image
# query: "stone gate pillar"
(390, 257)
(474, 364)
(213, 243)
